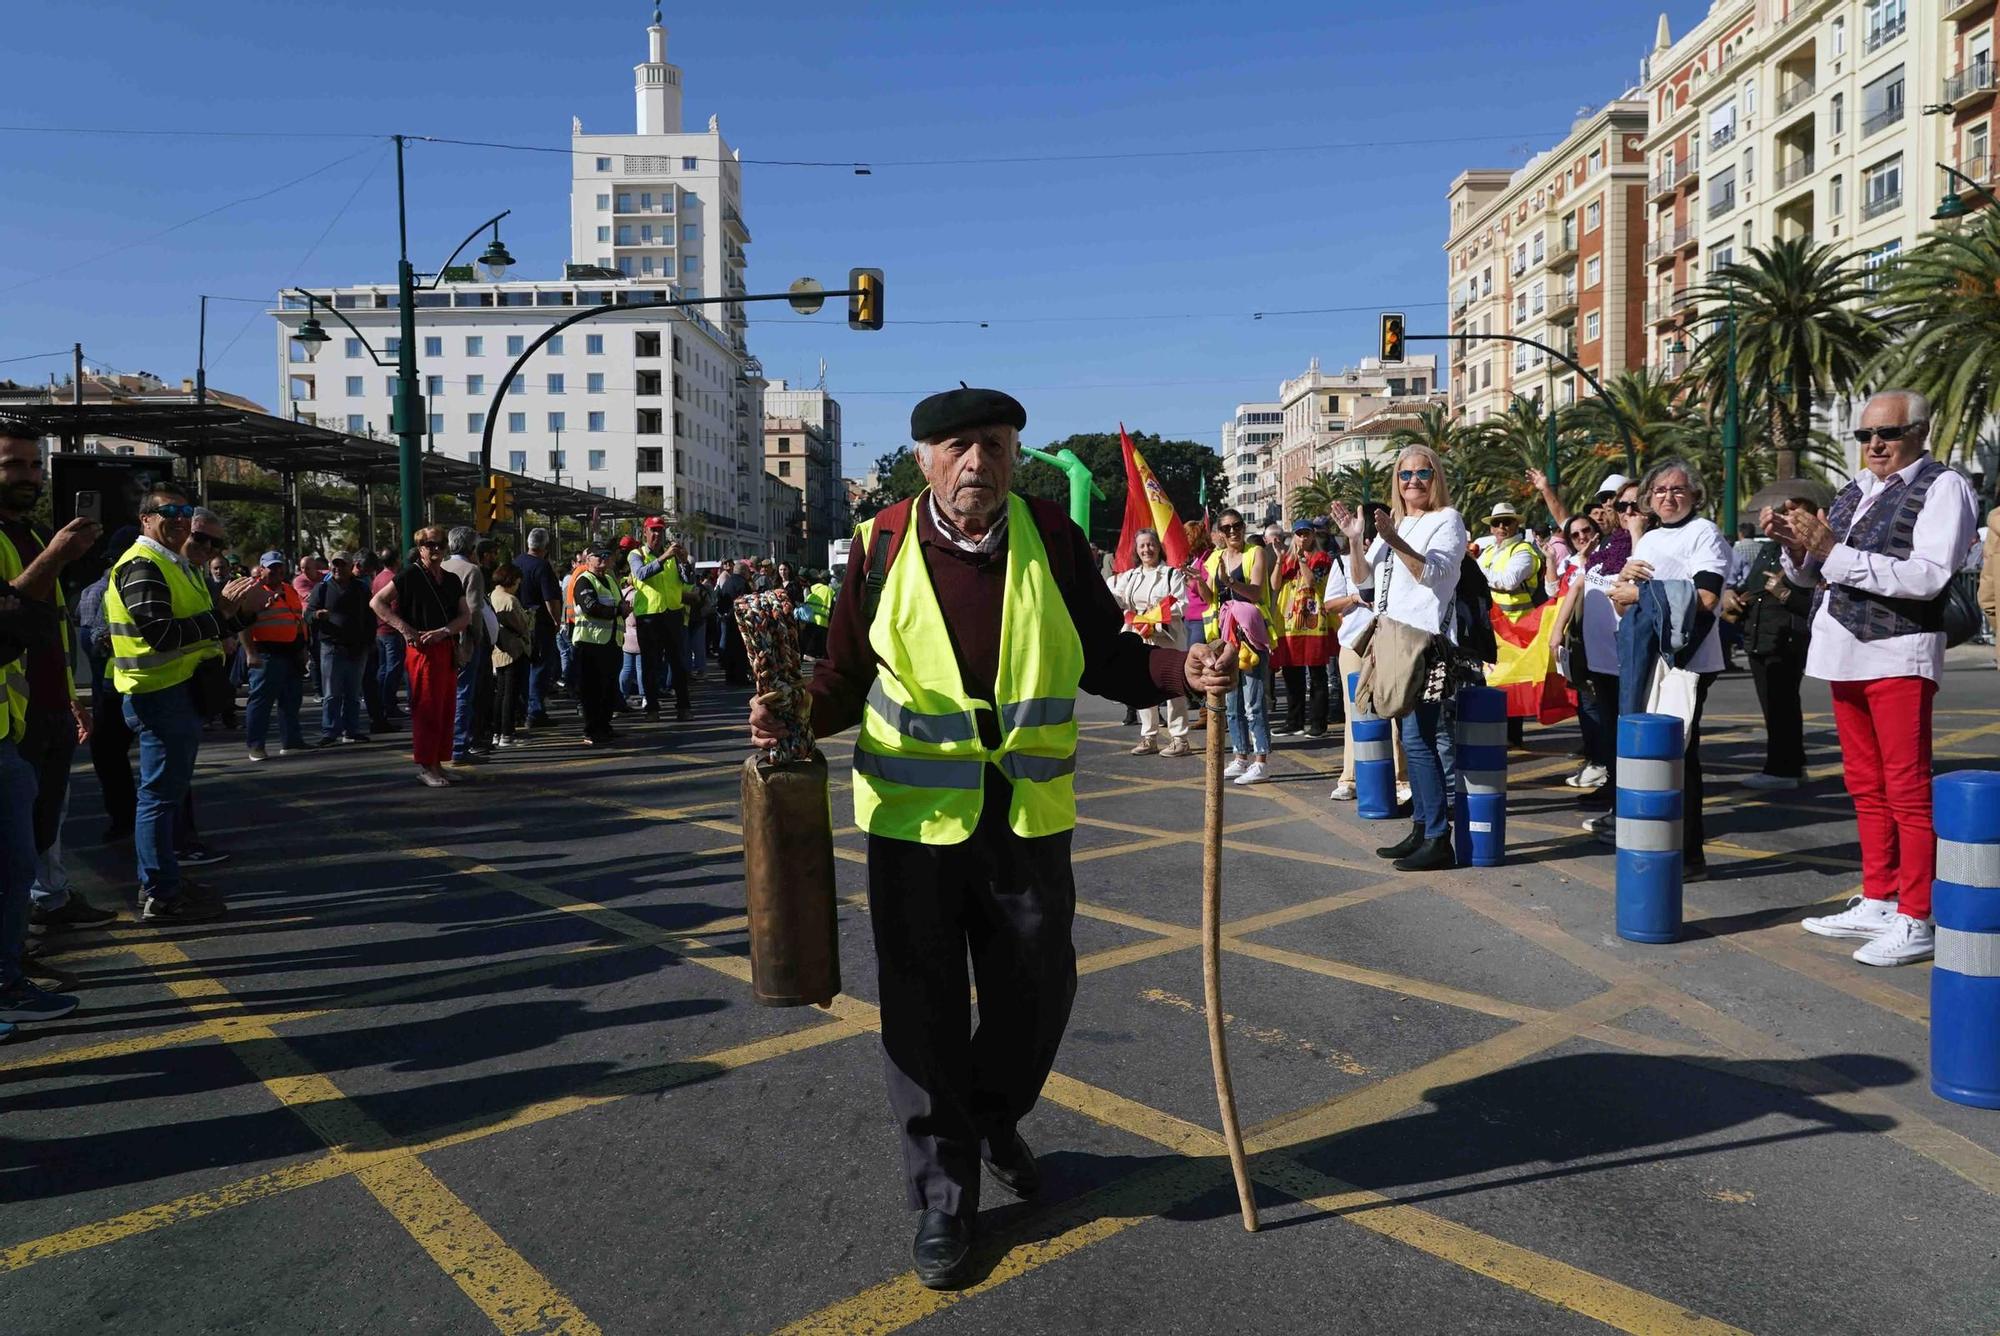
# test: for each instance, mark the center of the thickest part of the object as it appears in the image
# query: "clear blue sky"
(832, 79)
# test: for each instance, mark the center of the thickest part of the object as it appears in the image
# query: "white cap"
(1613, 484)
(1503, 511)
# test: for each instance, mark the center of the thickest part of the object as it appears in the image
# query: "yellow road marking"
(1269, 1035)
(1340, 969)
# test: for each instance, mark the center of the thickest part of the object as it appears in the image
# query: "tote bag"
(1395, 661)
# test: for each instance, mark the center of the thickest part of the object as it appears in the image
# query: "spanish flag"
(1526, 668)
(1146, 507)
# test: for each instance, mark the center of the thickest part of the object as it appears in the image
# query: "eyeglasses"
(1668, 493)
(1892, 434)
(1626, 507)
(1581, 532)
(1414, 475)
(171, 511)
(1229, 528)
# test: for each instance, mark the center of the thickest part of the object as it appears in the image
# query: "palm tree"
(1315, 496)
(1495, 468)
(1945, 297)
(1437, 427)
(1802, 330)
(1350, 484)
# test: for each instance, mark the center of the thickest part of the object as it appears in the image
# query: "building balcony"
(1721, 135)
(1663, 247)
(1562, 305)
(1722, 203)
(1962, 9)
(1797, 95)
(1883, 34)
(1562, 252)
(1877, 205)
(1970, 87)
(1793, 172)
(1671, 179)
(1979, 169)
(1882, 120)
(733, 221)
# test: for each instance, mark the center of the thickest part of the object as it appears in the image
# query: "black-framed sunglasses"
(1891, 433)
(206, 539)
(1626, 507)
(1414, 475)
(1229, 528)
(1581, 532)
(428, 542)
(173, 510)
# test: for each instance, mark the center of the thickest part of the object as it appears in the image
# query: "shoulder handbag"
(1395, 662)
(1960, 613)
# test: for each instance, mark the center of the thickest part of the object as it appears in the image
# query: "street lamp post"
(1732, 426)
(1624, 427)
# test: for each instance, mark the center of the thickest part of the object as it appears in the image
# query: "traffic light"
(1392, 338)
(864, 307)
(482, 508)
(494, 503)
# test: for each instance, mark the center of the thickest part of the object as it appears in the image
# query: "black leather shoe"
(1430, 856)
(1013, 1167)
(1404, 847)
(942, 1253)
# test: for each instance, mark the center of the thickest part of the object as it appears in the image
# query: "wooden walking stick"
(1211, 960)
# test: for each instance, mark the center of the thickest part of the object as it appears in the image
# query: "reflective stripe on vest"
(1495, 559)
(596, 630)
(282, 620)
(136, 667)
(919, 763)
(13, 702)
(661, 593)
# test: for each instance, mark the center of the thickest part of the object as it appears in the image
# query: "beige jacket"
(1989, 571)
(514, 616)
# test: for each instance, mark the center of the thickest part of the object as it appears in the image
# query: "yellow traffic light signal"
(482, 508)
(1392, 338)
(501, 492)
(864, 306)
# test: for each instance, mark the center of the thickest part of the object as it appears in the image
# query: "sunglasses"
(1229, 528)
(1626, 507)
(1865, 434)
(174, 511)
(1578, 534)
(207, 539)
(431, 543)
(1414, 475)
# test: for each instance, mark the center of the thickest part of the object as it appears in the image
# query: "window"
(475, 385)
(1538, 298)
(593, 383)
(390, 385)
(1593, 327)
(475, 346)
(1593, 215)
(357, 424)
(1882, 101)
(1749, 167)
(645, 264)
(557, 422)
(1837, 113)
(649, 422)
(690, 231)
(1882, 187)
(651, 457)
(1838, 40)
(1520, 307)
(594, 460)
(1593, 271)
(558, 460)
(433, 346)
(649, 382)
(1596, 163)
(784, 468)
(1722, 125)
(1872, 262)
(594, 422)
(646, 343)
(1722, 192)
(784, 445)
(1536, 251)
(1836, 198)
(555, 346)
(354, 348)
(689, 264)
(1722, 255)
(1747, 98)
(515, 343)
(517, 461)
(437, 423)
(1977, 140)
(354, 390)
(645, 234)
(604, 201)
(690, 164)
(555, 382)
(1885, 20)
(518, 385)
(604, 164)
(593, 345)
(475, 423)
(517, 423)
(391, 347)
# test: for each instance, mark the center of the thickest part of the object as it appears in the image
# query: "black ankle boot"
(1430, 856)
(1406, 846)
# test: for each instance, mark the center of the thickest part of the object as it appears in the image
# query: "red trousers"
(1885, 746)
(433, 700)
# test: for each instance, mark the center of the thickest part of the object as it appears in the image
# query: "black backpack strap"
(878, 572)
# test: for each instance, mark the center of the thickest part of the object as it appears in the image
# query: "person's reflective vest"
(1494, 558)
(569, 598)
(663, 592)
(282, 621)
(819, 603)
(919, 763)
(14, 674)
(596, 630)
(136, 667)
(1304, 629)
(1253, 559)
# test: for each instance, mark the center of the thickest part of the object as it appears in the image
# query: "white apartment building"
(1249, 447)
(664, 407)
(1318, 406)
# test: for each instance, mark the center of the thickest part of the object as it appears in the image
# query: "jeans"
(1424, 742)
(169, 738)
(1590, 723)
(566, 655)
(476, 670)
(510, 698)
(1250, 712)
(340, 678)
(51, 887)
(542, 677)
(631, 677)
(277, 681)
(697, 647)
(389, 670)
(17, 857)
(1885, 749)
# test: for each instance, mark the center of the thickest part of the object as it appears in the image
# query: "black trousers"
(1009, 903)
(510, 698)
(663, 650)
(1305, 699)
(48, 745)
(1778, 677)
(597, 686)
(1694, 832)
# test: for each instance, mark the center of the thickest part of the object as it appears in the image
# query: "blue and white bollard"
(1965, 906)
(1479, 814)
(1374, 761)
(1650, 752)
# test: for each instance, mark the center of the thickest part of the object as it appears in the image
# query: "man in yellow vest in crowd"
(969, 620)
(163, 627)
(659, 596)
(1513, 568)
(819, 611)
(274, 650)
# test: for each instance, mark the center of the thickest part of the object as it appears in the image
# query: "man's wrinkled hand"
(1209, 668)
(767, 729)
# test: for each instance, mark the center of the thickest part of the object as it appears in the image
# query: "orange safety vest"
(569, 597)
(283, 620)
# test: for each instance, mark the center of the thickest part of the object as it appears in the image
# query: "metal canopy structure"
(195, 432)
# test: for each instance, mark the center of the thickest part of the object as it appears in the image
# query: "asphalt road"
(487, 1059)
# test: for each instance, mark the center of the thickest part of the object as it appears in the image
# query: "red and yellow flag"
(1146, 507)
(1526, 669)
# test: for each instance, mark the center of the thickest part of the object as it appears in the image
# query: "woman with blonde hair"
(1142, 592)
(1409, 575)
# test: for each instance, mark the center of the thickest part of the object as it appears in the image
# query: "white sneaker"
(1590, 777)
(1145, 748)
(1863, 919)
(1252, 774)
(1604, 826)
(1770, 782)
(1234, 768)
(1403, 793)
(1342, 793)
(1903, 942)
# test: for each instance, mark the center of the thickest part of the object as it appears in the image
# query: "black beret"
(960, 409)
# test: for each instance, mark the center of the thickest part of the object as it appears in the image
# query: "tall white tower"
(657, 86)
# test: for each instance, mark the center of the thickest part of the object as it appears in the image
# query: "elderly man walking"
(970, 619)
(274, 650)
(1886, 554)
(468, 742)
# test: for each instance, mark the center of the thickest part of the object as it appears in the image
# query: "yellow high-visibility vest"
(1494, 558)
(664, 592)
(136, 667)
(14, 675)
(596, 630)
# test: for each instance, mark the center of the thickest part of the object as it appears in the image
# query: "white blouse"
(1423, 602)
(1681, 553)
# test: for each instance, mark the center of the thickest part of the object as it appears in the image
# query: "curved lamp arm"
(493, 222)
(312, 301)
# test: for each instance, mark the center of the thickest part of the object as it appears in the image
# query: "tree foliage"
(1945, 298)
